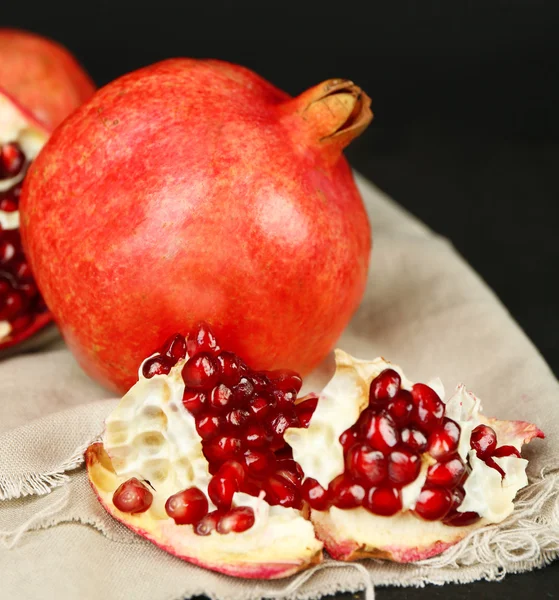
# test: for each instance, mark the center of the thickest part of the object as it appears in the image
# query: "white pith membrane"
(355, 533)
(152, 436)
(16, 127)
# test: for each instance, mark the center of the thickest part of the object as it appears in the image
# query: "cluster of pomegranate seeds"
(484, 441)
(241, 416)
(20, 301)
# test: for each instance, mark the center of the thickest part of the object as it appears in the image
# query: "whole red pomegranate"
(40, 84)
(195, 190)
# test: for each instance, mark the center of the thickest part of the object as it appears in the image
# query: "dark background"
(465, 136)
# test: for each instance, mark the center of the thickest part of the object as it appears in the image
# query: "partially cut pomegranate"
(208, 187)
(429, 475)
(40, 84)
(223, 485)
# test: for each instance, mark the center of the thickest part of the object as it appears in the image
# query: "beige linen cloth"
(424, 309)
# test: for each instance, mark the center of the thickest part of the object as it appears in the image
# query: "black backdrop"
(466, 123)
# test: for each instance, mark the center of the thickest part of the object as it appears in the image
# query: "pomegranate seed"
(384, 386)
(458, 519)
(156, 365)
(491, 463)
(315, 494)
(200, 372)
(221, 488)
(237, 417)
(414, 439)
(243, 390)
(194, 402)
(348, 438)
(506, 451)
(175, 348)
(256, 437)
(367, 464)
(237, 520)
(8, 204)
(12, 160)
(208, 523)
(230, 367)
(221, 397)
(444, 441)
(285, 380)
(285, 399)
(201, 340)
(259, 462)
(222, 448)
(22, 322)
(403, 466)
(279, 424)
(380, 431)
(433, 503)
(187, 507)
(483, 440)
(132, 496)
(305, 410)
(280, 491)
(260, 382)
(384, 501)
(288, 464)
(14, 303)
(208, 426)
(428, 410)
(345, 493)
(400, 408)
(446, 474)
(22, 271)
(260, 407)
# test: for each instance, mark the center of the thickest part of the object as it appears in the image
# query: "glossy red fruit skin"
(433, 503)
(187, 506)
(366, 464)
(446, 474)
(483, 440)
(132, 496)
(345, 492)
(443, 442)
(384, 386)
(428, 410)
(379, 430)
(384, 500)
(290, 187)
(236, 520)
(403, 466)
(315, 494)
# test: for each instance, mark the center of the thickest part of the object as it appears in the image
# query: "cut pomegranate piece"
(175, 348)
(157, 365)
(285, 380)
(187, 507)
(414, 439)
(208, 523)
(428, 410)
(230, 366)
(506, 451)
(305, 410)
(384, 501)
(194, 402)
(443, 442)
(367, 464)
(236, 520)
(379, 430)
(483, 440)
(446, 474)
(433, 503)
(345, 492)
(400, 408)
(315, 494)
(221, 397)
(201, 339)
(384, 386)
(403, 466)
(200, 372)
(132, 497)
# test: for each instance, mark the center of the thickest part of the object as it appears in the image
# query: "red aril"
(256, 437)
(433, 503)
(221, 397)
(132, 496)
(428, 408)
(414, 439)
(384, 501)
(506, 451)
(400, 408)
(483, 440)
(367, 464)
(281, 491)
(200, 372)
(305, 410)
(403, 466)
(491, 463)
(175, 348)
(344, 492)
(286, 380)
(237, 417)
(459, 519)
(349, 438)
(208, 523)
(443, 442)
(236, 520)
(187, 507)
(287, 184)
(260, 407)
(225, 483)
(259, 462)
(209, 426)
(315, 494)
(230, 367)
(446, 474)
(201, 339)
(222, 448)
(379, 430)
(194, 402)
(384, 386)
(157, 365)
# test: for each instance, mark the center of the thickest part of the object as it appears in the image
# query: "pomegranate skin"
(195, 190)
(42, 76)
